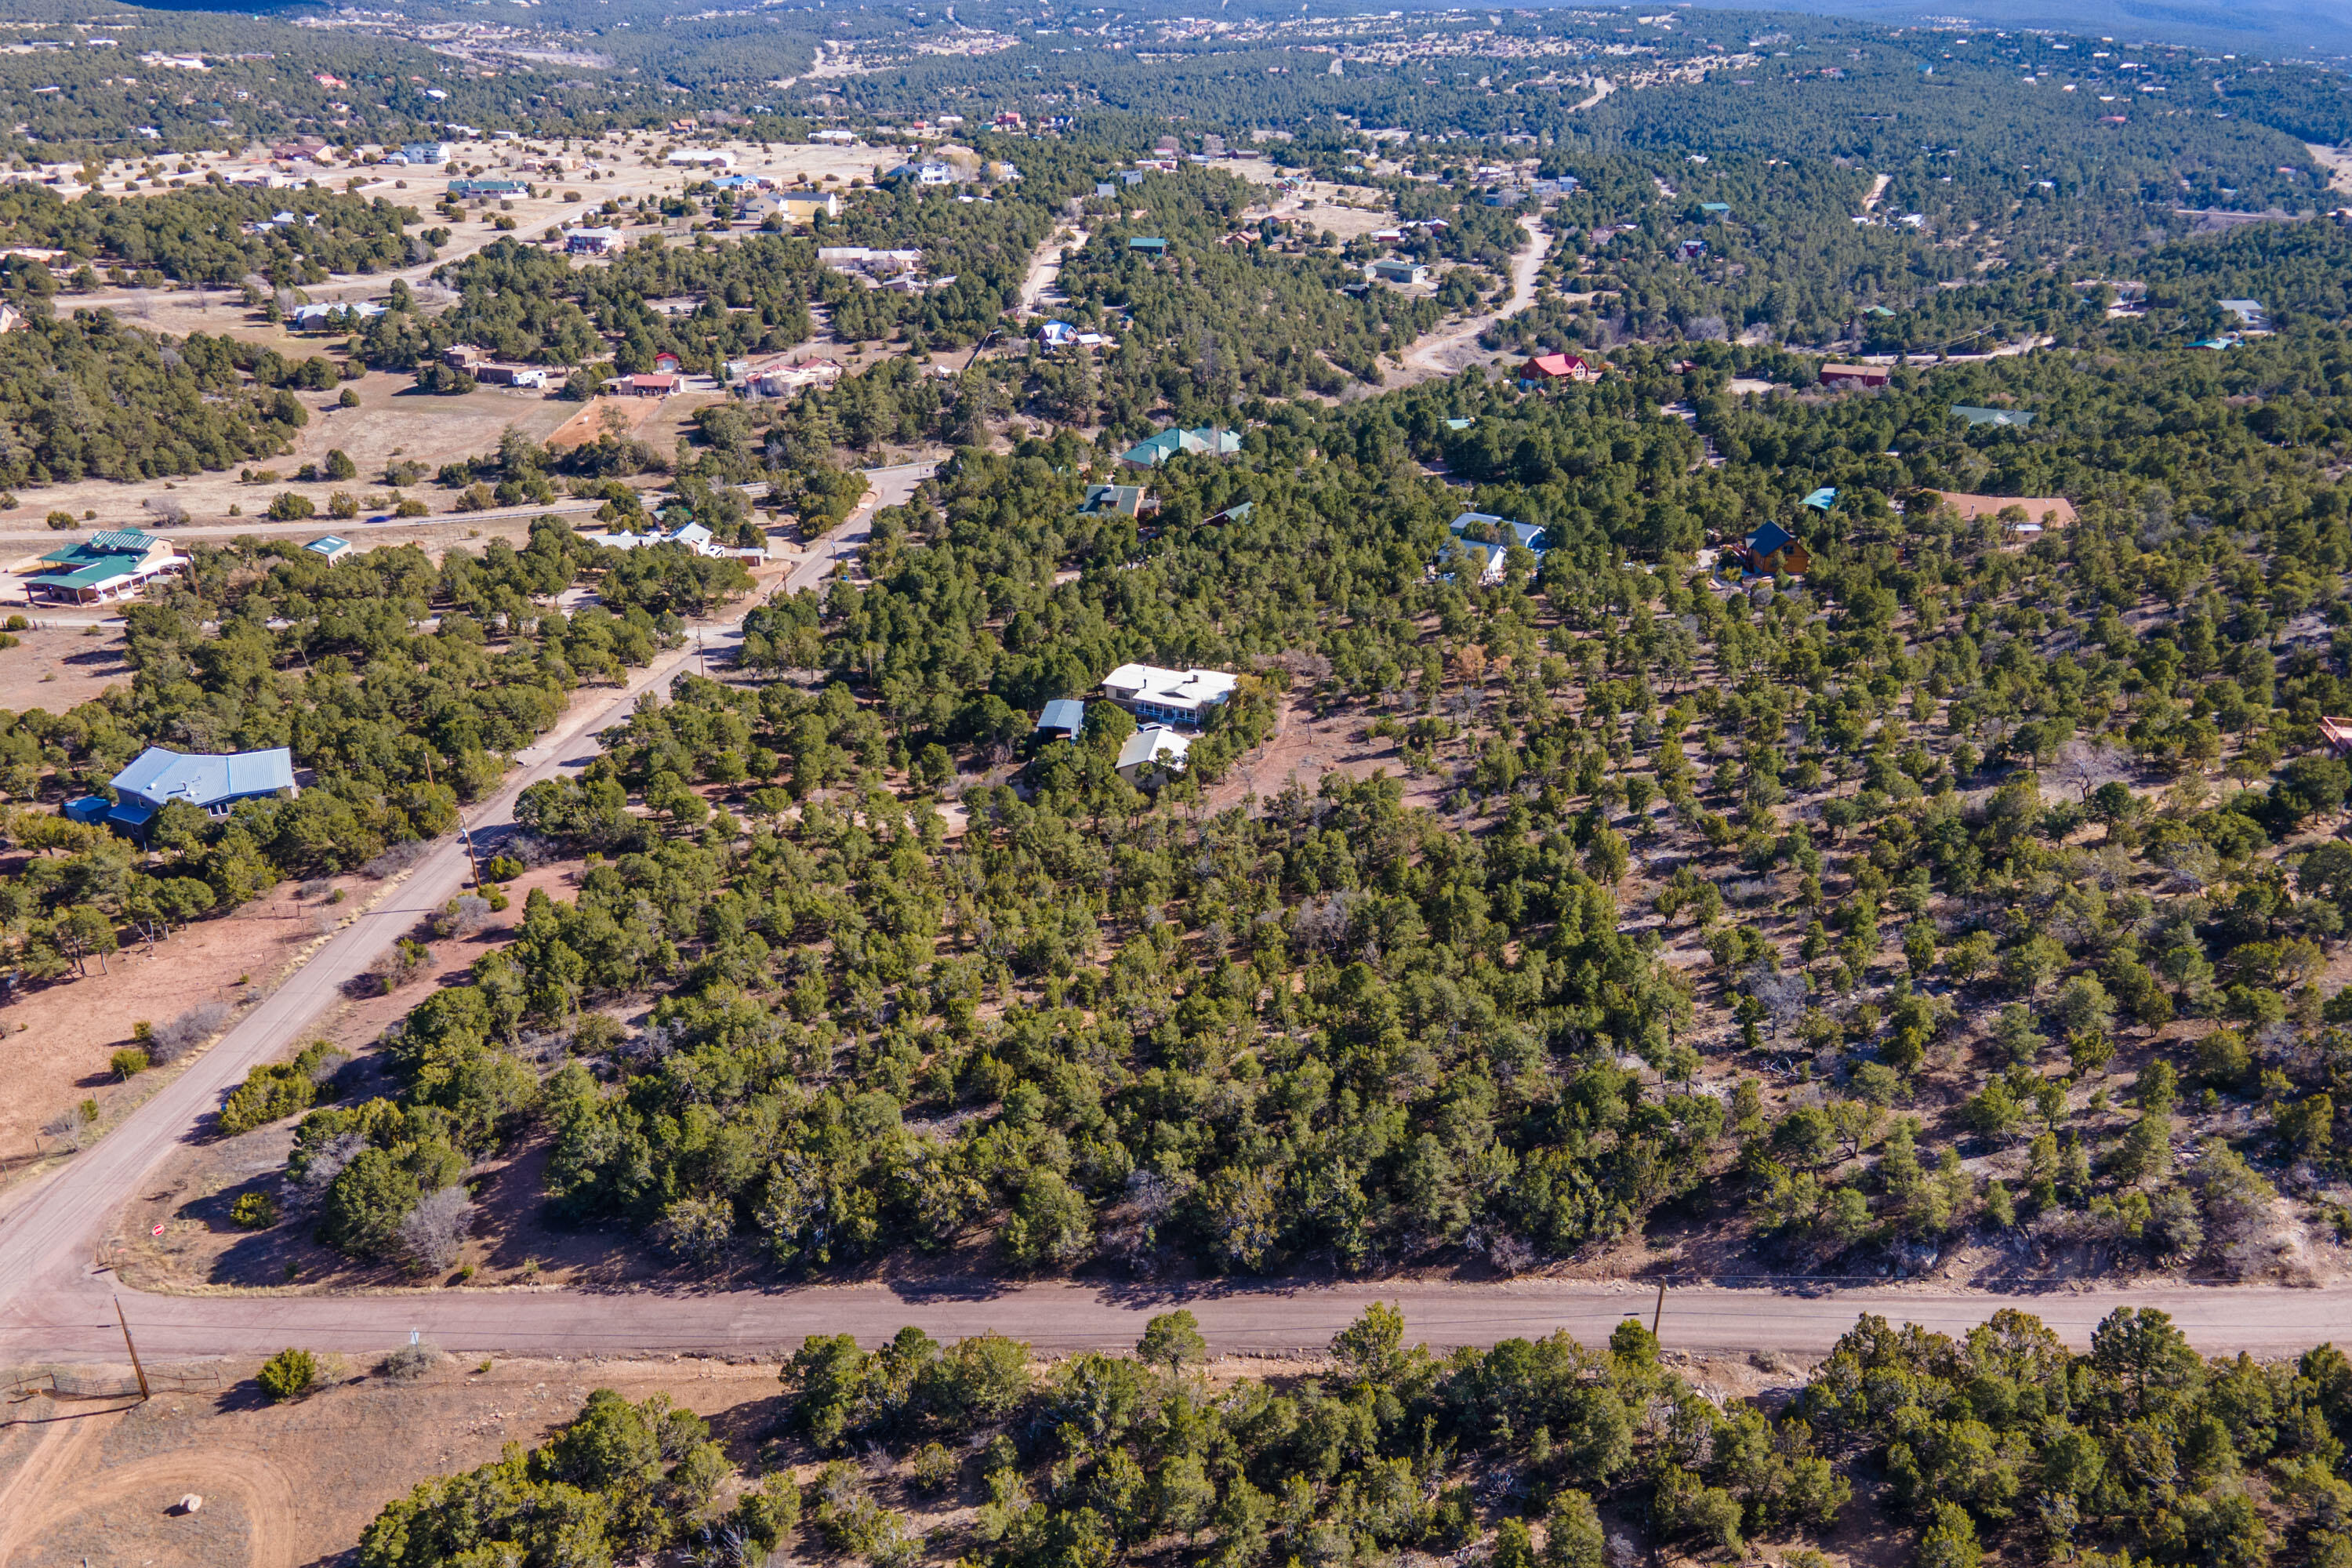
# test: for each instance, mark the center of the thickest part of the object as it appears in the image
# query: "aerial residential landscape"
(1054, 787)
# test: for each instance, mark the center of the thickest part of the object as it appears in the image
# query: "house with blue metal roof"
(212, 783)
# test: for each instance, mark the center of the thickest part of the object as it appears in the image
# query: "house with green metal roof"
(112, 563)
(1207, 441)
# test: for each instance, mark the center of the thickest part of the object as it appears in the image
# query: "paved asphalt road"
(56, 1301)
(50, 1234)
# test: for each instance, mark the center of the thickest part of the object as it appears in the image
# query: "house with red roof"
(1555, 369)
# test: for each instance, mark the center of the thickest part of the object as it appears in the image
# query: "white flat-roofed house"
(1169, 696)
(865, 258)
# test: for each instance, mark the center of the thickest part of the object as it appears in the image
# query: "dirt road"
(56, 1296)
(52, 1232)
(77, 1323)
(1045, 271)
(1443, 353)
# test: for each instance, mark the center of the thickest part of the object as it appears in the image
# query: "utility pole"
(139, 1370)
(463, 831)
(1658, 1313)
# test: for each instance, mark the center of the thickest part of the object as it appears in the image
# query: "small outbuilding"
(1065, 719)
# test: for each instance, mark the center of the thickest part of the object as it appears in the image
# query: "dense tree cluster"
(400, 686)
(1936, 815)
(2138, 1451)
(93, 397)
(212, 233)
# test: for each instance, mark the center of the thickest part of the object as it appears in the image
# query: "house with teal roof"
(112, 563)
(1207, 441)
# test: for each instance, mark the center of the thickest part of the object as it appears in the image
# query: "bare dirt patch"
(56, 668)
(1308, 749)
(284, 1484)
(56, 1039)
(393, 420)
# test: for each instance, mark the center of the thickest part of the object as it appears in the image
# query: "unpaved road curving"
(1443, 353)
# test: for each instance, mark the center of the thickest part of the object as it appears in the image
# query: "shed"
(331, 548)
(1151, 753)
(1065, 718)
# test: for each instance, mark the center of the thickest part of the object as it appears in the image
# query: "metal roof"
(1064, 714)
(106, 569)
(158, 776)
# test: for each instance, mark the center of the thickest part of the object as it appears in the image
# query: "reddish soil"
(197, 1248)
(1306, 747)
(98, 1482)
(60, 668)
(55, 1039)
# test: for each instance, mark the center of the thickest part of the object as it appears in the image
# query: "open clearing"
(58, 668)
(56, 1039)
(285, 1484)
(393, 421)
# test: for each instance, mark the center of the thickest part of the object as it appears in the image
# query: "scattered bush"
(275, 1091)
(287, 1375)
(396, 858)
(128, 1063)
(434, 1232)
(167, 1043)
(254, 1211)
(409, 1362)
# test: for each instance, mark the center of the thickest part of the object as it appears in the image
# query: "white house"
(868, 261)
(331, 549)
(692, 535)
(592, 241)
(1169, 696)
(311, 318)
